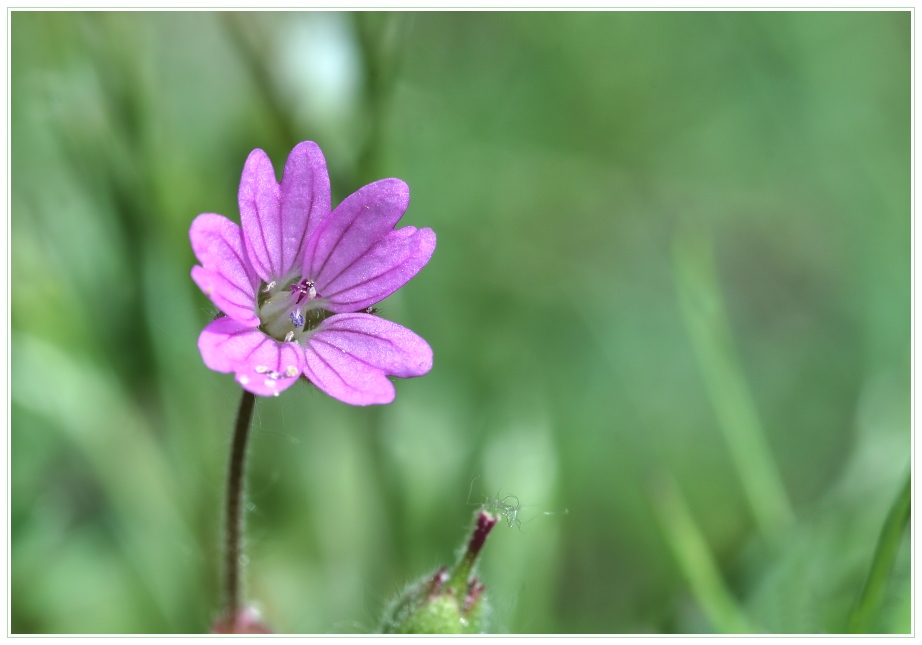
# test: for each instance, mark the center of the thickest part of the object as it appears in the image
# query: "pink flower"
(298, 283)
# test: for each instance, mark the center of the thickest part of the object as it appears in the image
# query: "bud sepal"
(448, 601)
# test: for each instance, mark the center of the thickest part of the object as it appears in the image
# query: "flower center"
(289, 312)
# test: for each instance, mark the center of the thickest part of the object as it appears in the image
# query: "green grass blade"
(705, 316)
(884, 555)
(695, 560)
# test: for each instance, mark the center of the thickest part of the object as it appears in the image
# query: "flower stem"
(233, 544)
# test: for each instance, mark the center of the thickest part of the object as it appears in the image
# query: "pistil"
(287, 309)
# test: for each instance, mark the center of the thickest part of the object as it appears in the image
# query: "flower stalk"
(233, 539)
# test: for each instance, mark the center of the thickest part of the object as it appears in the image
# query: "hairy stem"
(233, 544)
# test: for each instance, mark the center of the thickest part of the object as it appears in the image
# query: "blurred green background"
(671, 296)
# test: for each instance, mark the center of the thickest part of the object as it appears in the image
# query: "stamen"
(269, 287)
(290, 310)
(272, 375)
(304, 288)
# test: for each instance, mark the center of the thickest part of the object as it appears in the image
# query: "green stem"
(884, 555)
(233, 544)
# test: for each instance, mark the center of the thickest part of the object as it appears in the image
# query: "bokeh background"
(669, 306)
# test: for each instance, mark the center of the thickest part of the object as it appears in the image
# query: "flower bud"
(448, 601)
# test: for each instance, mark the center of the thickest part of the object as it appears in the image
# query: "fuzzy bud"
(448, 601)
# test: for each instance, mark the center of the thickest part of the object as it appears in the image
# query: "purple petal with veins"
(225, 275)
(305, 199)
(386, 267)
(349, 357)
(260, 216)
(262, 364)
(356, 225)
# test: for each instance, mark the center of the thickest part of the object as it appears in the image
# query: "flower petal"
(305, 200)
(350, 356)
(260, 216)
(386, 267)
(225, 275)
(277, 219)
(356, 225)
(262, 365)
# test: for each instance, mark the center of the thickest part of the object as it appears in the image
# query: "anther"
(296, 318)
(290, 336)
(272, 375)
(269, 287)
(304, 288)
